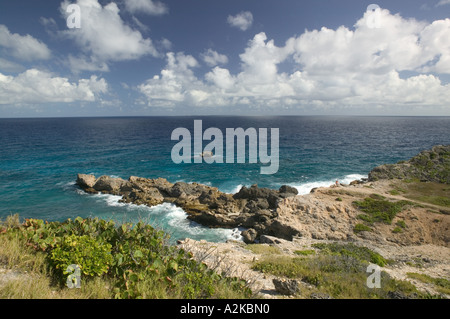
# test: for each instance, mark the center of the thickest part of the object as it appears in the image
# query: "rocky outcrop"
(254, 208)
(286, 287)
(431, 165)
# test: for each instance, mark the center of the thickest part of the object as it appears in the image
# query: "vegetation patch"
(378, 209)
(425, 192)
(261, 249)
(360, 228)
(360, 253)
(119, 261)
(401, 224)
(338, 270)
(305, 252)
(442, 284)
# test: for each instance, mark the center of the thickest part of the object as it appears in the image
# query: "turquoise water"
(40, 158)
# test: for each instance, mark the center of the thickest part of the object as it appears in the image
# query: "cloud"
(36, 87)
(361, 68)
(212, 58)
(9, 66)
(83, 63)
(146, 6)
(176, 83)
(25, 47)
(442, 3)
(104, 36)
(242, 20)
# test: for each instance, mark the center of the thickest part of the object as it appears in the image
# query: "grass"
(261, 249)
(360, 228)
(401, 224)
(34, 280)
(338, 270)
(360, 253)
(305, 252)
(378, 209)
(166, 272)
(425, 192)
(442, 284)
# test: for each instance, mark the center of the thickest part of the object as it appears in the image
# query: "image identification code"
(246, 308)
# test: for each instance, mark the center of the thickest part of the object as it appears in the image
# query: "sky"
(64, 58)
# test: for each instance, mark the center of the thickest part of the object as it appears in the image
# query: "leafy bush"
(137, 258)
(92, 256)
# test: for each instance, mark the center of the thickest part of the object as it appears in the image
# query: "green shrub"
(380, 210)
(136, 258)
(401, 224)
(360, 253)
(361, 227)
(92, 256)
(305, 252)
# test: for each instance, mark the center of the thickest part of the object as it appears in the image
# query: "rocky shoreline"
(325, 213)
(416, 238)
(254, 208)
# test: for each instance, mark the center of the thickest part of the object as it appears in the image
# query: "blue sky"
(227, 57)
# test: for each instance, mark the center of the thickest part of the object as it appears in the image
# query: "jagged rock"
(109, 184)
(287, 287)
(288, 190)
(252, 207)
(249, 235)
(318, 295)
(266, 239)
(86, 181)
(396, 295)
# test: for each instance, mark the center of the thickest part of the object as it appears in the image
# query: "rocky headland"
(402, 211)
(254, 208)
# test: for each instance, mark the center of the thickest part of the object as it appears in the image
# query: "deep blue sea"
(40, 159)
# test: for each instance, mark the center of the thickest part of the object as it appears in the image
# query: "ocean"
(40, 159)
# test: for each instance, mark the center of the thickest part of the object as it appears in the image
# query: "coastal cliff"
(402, 213)
(430, 166)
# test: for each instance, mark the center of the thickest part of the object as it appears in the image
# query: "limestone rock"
(85, 181)
(249, 235)
(287, 287)
(109, 184)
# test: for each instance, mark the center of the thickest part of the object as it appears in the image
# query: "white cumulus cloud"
(213, 58)
(23, 47)
(243, 20)
(36, 87)
(104, 36)
(362, 67)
